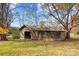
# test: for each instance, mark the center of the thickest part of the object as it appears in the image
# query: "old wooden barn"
(40, 34)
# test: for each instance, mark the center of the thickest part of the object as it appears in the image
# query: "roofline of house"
(38, 29)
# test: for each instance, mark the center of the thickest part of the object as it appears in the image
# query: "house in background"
(40, 34)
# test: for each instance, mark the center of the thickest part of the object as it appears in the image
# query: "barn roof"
(22, 27)
(39, 29)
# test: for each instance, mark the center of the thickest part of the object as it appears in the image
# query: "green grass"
(39, 48)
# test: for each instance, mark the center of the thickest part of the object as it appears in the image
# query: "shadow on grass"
(30, 40)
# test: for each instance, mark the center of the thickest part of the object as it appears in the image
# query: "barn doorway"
(27, 35)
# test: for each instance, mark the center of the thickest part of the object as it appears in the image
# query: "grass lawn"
(39, 48)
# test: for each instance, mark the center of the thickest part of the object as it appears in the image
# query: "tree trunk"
(4, 37)
(68, 35)
(65, 36)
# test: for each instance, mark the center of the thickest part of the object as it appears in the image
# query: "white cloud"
(13, 5)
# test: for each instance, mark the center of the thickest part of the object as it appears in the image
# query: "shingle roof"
(40, 29)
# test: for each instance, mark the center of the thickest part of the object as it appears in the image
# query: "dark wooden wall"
(3, 37)
(40, 35)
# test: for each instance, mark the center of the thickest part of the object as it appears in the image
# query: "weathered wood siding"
(34, 35)
(54, 35)
(39, 34)
(22, 36)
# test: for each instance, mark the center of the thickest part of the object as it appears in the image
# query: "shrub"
(14, 32)
(15, 35)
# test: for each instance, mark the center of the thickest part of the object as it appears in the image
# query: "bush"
(15, 35)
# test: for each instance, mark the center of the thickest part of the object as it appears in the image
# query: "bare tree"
(6, 17)
(63, 13)
(27, 16)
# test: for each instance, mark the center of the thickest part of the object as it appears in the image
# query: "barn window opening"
(27, 35)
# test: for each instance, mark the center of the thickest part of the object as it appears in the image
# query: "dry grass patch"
(39, 48)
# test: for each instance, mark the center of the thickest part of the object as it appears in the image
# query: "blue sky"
(20, 7)
(32, 13)
(26, 14)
